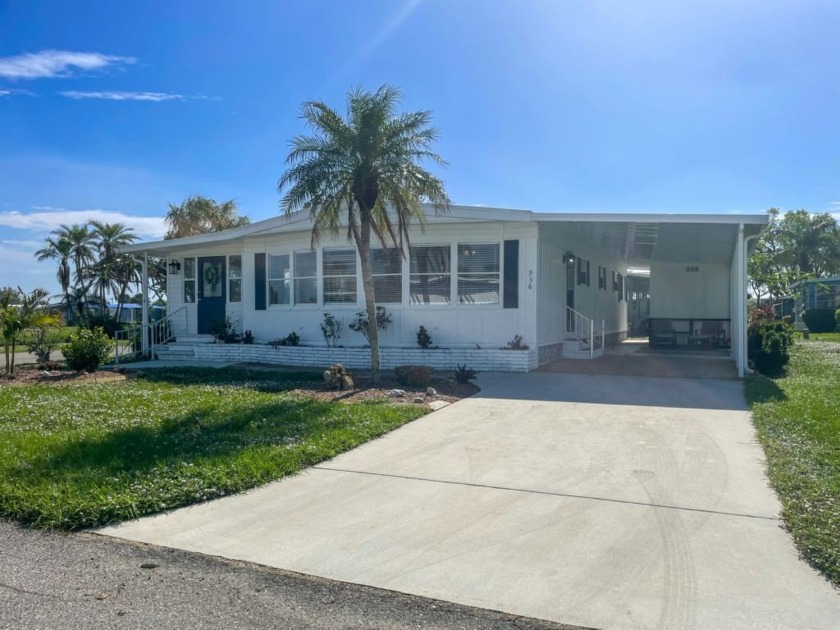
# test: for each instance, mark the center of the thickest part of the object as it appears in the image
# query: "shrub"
(463, 374)
(820, 320)
(768, 345)
(331, 329)
(837, 317)
(361, 325)
(88, 349)
(248, 337)
(292, 339)
(415, 375)
(424, 339)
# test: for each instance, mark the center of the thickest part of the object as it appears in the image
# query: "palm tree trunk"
(370, 298)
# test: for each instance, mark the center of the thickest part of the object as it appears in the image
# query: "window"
(583, 272)
(234, 278)
(620, 285)
(306, 279)
(387, 275)
(339, 276)
(430, 275)
(279, 279)
(478, 273)
(189, 280)
(602, 278)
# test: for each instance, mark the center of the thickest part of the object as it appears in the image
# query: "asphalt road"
(74, 581)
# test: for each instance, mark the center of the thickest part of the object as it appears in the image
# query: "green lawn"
(86, 455)
(798, 422)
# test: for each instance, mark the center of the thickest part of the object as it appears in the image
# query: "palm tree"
(200, 215)
(19, 311)
(363, 170)
(61, 250)
(108, 238)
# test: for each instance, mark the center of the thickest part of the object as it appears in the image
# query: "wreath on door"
(211, 277)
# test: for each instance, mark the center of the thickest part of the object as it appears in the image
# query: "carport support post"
(144, 289)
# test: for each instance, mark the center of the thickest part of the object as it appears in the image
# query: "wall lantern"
(569, 258)
(174, 267)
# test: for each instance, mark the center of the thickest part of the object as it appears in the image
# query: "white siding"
(677, 293)
(451, 325)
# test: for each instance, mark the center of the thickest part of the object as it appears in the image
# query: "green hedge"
(820, 320)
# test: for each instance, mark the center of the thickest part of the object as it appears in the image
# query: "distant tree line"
(796, 245)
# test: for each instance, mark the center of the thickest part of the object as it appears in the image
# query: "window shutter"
(259, 282)
(511, 279)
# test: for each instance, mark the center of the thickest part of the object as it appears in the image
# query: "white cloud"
(154, 97)
(47, 219)
(6, 92)
(56, 63)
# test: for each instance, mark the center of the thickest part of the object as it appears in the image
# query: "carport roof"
(636, 238)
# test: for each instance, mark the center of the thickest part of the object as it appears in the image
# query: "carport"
(677, 279)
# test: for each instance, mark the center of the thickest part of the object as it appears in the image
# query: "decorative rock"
(337, 377)
(396, 393)
(431, 391)
(419, 399)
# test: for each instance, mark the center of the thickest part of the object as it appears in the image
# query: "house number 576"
(530, 278)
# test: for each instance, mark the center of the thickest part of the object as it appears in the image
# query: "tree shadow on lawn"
(263, 380)
(198, 456)
(762, 389)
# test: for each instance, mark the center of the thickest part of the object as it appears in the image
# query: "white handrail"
(583, 328)
(164, 329)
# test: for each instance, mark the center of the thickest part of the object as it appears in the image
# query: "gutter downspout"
(742, 310)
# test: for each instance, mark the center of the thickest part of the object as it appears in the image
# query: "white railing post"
(591, 339)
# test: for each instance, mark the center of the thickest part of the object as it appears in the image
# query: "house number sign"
(530, 278)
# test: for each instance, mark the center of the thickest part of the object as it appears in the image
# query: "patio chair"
(711, 334)
(662, 333)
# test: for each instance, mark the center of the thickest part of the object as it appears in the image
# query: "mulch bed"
(31, 375)
(448, 391)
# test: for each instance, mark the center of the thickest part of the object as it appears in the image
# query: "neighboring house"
(131, 313)
(476, 278)
(814, 293)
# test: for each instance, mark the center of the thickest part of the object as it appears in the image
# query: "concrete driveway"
(601, 501)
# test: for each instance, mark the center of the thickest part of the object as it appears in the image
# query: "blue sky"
(113, 110)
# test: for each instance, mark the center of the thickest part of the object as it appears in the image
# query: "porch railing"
(585, 329)
(128, 343)
(167, 328)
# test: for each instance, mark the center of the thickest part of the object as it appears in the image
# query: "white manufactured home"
(568, 284)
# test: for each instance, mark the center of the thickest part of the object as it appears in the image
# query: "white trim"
(301, 222)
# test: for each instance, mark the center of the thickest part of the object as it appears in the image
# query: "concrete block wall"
(495, 359)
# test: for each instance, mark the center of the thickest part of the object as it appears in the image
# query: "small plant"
(42, 340)
(292, 339)
(248, 337)
(414, 375)
(88, 349)
(837, 317)
(424, 339)
(331, 329)
(225, 330)
(361, 324)
(517, 344)
(463, 374)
